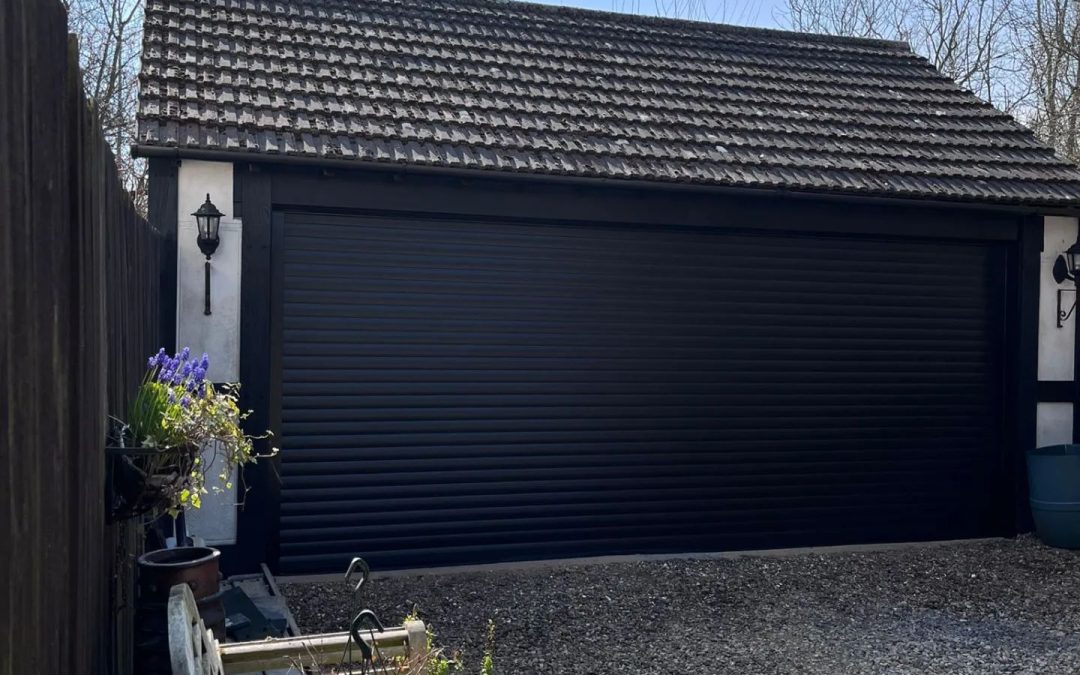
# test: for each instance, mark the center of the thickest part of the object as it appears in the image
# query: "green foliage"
(438, 663)
(196, 427)
(487, 664)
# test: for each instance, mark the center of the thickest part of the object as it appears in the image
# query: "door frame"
(266, 192)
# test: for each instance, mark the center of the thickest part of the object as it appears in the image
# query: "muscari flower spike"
(157, 359)
(164, 375)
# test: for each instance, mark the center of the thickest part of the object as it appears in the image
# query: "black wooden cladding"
(464, 392)
(79, 289)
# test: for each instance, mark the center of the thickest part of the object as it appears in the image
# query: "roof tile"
(511, 86)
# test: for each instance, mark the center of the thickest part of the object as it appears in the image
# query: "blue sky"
(764, 13)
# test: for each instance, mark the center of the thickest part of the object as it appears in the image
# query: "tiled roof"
(510, 86)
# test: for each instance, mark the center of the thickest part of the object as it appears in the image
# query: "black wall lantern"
(208, 219)
(1065, 268)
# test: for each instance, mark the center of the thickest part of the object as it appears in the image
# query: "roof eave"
(232, 156)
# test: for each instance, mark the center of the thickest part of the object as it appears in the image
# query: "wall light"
(1065, 268)
(208, 219)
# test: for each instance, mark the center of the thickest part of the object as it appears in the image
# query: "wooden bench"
(195, 651)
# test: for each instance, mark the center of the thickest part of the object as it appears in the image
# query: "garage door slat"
(472, 392)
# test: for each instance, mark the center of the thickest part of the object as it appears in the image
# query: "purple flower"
(157, 359)
(172, 397)
(204, 363)
(177, 377)
(186, 370)
(185, 353)
(198, 374)
(185, 402)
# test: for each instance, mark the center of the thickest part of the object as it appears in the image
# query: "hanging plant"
(180, 429)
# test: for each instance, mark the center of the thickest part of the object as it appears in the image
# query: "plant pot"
(1054, 487)
(197, 566)
(159, 571)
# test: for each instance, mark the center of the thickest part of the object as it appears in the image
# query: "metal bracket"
(1062, 314)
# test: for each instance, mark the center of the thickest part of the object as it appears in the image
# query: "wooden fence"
(79, 312)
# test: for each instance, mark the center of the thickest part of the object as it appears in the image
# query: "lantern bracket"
(1063, 314)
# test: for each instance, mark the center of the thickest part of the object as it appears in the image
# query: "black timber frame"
(163, 215)
(265, 190)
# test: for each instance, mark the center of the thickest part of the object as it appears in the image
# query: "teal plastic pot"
(1054, 486)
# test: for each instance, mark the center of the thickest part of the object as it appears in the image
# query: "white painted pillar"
(1055, 344)
(219, 333)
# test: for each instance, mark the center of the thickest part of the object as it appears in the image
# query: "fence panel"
(79, 311)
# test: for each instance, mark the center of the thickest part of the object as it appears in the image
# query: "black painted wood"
(1025, 350)
(163, 215)
(463, 391)
(257, 531)
(377, 192)
(79, 315)
(1056, 391)
(238, 189)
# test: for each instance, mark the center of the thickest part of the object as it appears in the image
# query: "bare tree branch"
(1023, 56)
(694, 10)
(110, 39)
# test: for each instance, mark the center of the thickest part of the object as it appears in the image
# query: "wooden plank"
(1025, 371)
(76, 335)
(290, 622)
(257, 520)
(306, 189)
(163, 215)
(325, 649)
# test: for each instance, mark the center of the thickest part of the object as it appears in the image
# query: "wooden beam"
(325, 649)
(257, 520)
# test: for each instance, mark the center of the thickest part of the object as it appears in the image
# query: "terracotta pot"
(159, 571)
(197, 566)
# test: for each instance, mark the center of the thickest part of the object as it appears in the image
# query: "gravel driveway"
(984, 607)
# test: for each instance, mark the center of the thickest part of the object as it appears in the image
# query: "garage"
(512, 282)
(463, 391)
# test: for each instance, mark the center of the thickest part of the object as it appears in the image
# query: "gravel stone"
(1002, 606)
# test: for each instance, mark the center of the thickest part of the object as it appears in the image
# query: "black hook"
(368, 618)
(364, 570)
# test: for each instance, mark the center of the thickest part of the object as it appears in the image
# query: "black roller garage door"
(459, 392)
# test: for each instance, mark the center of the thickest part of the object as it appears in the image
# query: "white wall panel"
(219, 333)
(1055, 344)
